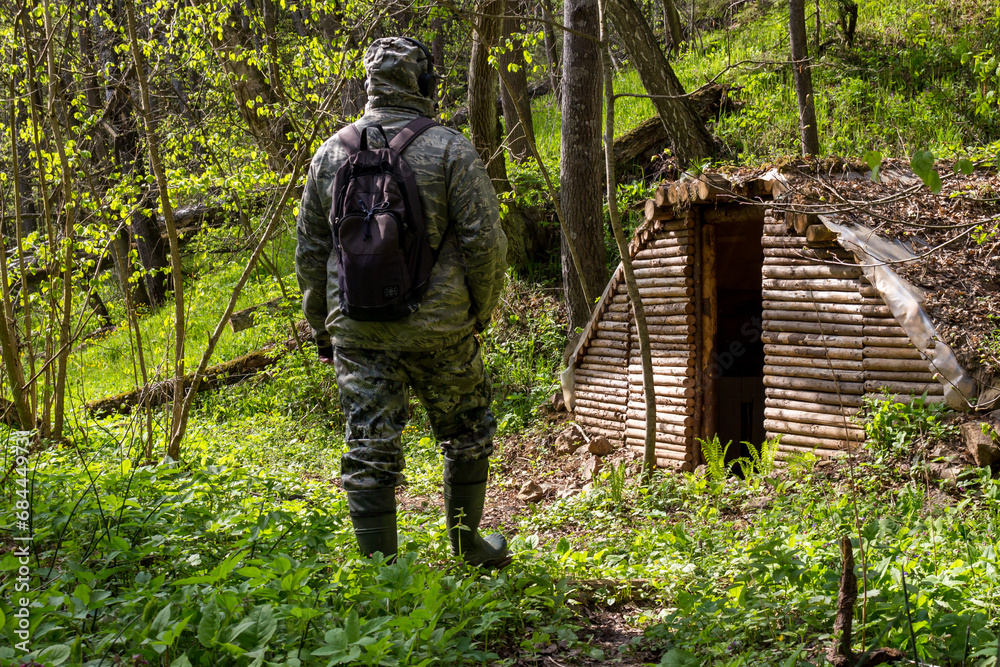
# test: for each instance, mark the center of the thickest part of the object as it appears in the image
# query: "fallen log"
(215, 377)
(247, 318)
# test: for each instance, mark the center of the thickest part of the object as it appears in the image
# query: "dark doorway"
(738, 358)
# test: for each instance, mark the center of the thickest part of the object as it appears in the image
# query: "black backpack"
(384, 259)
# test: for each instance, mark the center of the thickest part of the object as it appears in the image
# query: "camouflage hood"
(393, 65)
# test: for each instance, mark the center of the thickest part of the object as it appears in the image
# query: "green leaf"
(262, 628)
(181, 661)
(208, 627)
(56, 655)
(874, 161)
(161, 621)
(965, 166)
(922, 164)
(679, 658)
(352, 627)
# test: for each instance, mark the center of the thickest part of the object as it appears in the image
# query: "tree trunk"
(638, 313)
(152, 255)
(688, 135)
(173, 445)
(803, 77)
(514, 96)
(551, 49)
(483, 94)
(673, 21)
(582, 160)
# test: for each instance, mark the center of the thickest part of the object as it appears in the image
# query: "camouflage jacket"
(454, 187)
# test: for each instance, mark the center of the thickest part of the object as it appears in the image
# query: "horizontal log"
(902, 376)
(611, 416)
(810, 296)
(783, 242)
(595, 427)
(810, 407)
(916, 388)
(669, 446)
(771, 260)
(593, 379)
(814, 352)
(835, 255)
(676, 404)
(813, 340)
(814, 284)
(816, 372)
(610, 326)
(667, 429)
(678, 360)
(890, 331)
(670, 330)
(664, 292)
(617, 374)
(824, 328)
(800, 444)
(602, 368)
(815, 315)
(889, 321)
(670, 339)
(678, 370)
(897, 365)
(812, 272)
(680, 237)
(607, 345)
(593, 395)
(880, 310)
(656, 345)
(813, 306)
(672, 391)
(892, 353)
(614, 403)
(612, 361)
(660, 380)
(812, 384)
(661, 417)
(659, 262)
(807, 362)
(665, 310)
(673, 320)
(806, 417)
(814, 430)
(886, 341)
(672, 250)
(806, 396)
(611, 336)
(673, 284)
(679, 272)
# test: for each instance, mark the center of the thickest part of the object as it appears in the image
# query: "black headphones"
(428, 80)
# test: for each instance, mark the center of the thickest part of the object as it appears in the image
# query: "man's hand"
(325, 354)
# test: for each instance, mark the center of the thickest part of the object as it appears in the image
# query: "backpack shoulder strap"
(413, 129)
(350, 139)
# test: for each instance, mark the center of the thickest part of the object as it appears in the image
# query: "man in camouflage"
(434, 350)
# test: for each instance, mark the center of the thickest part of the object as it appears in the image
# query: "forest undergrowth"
(241, 553)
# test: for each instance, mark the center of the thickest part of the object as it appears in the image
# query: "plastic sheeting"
(874, 253)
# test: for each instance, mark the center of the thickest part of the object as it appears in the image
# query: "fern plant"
(761, 461)
(715, 458)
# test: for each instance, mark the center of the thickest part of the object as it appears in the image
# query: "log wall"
(668, 300)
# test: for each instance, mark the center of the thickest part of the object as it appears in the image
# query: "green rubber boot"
(373, 513)
(464, 496)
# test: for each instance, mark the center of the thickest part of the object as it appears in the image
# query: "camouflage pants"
(451, 384)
